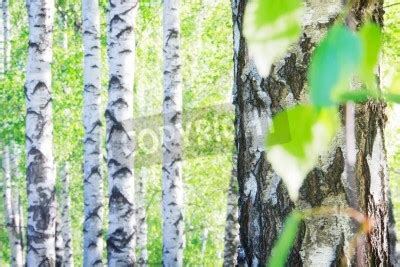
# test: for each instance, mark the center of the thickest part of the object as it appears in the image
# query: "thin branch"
(394, 4)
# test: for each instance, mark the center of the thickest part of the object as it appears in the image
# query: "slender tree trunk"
(16, 203)
(93, 180)
(120, 147)
(141, 224)
(66, 217)
(12, 220)
(6, 32)
(39, 136)
(59, 243)
(232, 225)
(172, 185)
(264, 202)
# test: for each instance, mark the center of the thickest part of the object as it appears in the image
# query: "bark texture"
(120, 146)
(39, 136)
(93, 180)
(12, 214)
(232, 225)
(141, 224)
(172, 185)
(66, 217)
(6, 35)
(59, 243)
(264, 203)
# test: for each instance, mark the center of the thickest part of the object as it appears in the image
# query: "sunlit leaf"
(394, 98)
(334, 62)
(270, 27)
(284, 244)
(307, 133)
(371, 39)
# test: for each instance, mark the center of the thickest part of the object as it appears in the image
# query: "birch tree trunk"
(232, 225)
(66, 217)
(6, 32)
(141, 224)
(93, 180)
(120, 147)
(39, 136)
(16, 204)
(172, 185)
(264, 202)
(59, 242)
(12, 221)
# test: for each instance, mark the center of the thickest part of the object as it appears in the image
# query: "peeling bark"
(232, 225)
(66, 217)
(120, 145)
(93, 179)
(141, 224)
(39, 136)
(263, 201)
(172, 185)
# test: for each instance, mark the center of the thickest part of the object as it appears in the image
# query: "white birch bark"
(120, 147)
(66, 217)
(172, 185)
(39, 136)
(93, 181)
(232, 225)
(12, 221)
(6, 34)
(141, 224)
(59, 242)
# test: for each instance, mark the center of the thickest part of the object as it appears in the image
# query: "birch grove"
(119, 138)
(39, 136)
(93, 183)
(172, 186)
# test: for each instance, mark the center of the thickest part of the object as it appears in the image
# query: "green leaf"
(371, 39)
(334, 62)
(271, 25)
(390, 97)
(297, 138)
(284, 244)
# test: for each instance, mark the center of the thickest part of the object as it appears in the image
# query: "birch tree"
(120, 147)
(59, 242)
(66, 230)
(141, 224)
(93, 180)
(39, 136)
(264, 201)
(12, 219)
(172, 187)
(6, 35)
(231, 240)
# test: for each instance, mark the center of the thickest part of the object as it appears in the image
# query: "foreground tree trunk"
(141, 224)
(66, 217)
(93, 180)
(232, 225)
(39, 136)
(12, 218)
(264, 202)
(120, 146)
(172, 187)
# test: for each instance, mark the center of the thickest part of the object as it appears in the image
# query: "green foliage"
(284, 244)
(271, 25)
(371, 39)
(333, 63)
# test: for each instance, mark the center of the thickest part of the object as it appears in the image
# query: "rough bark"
(172, 185)
(264, 202)
(66, 217)
(232, 225)
(12, 215)
(141, 224)
(120, 147)
(93, 181)
(39, 136)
